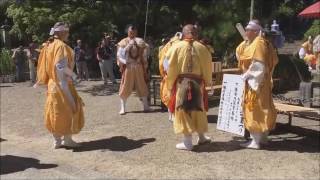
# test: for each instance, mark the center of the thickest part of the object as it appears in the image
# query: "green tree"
(220, 27)
(32, 19)
(314, 30)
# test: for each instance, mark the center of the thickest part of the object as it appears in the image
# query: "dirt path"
(142, 145)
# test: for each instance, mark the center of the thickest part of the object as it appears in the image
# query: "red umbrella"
(312, 11)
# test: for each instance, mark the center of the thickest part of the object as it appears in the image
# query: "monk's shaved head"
(189, 29)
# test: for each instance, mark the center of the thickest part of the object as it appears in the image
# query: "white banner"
(230, 118)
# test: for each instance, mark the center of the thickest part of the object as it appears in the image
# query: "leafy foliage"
(32, 19)
(314, 30)
(6, 64)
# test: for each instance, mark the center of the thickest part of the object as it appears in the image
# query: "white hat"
(61, 27)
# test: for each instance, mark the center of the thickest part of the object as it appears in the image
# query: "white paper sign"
(230, 118)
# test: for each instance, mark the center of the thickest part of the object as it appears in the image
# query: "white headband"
(253, 26)
(59, 28)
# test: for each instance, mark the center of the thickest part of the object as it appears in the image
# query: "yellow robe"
(165, 96)
(196, 121)
(42, 76)
(307, 47)
(309, 58)
(59, 115)
(259, 111)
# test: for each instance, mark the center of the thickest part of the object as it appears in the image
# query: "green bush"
(314, 30)
(154, 63)
(6, 63)
(287, 70)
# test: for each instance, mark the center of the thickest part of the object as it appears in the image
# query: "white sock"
(145, 103)
(187, 140)
(122, 106)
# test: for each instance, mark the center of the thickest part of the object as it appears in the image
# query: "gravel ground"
(142, 145)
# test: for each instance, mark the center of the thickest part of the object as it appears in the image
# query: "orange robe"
(259, 110)
(60, 117)
(165, 96)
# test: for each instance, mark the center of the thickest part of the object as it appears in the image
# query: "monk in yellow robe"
(306, 53)
(257, 59)
(132, 59)
(316, 51)
(64, 108)
(308, 46)
(188, 74)
(163, 67)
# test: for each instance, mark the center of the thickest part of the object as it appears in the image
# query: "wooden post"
(251, 9)
(154, 92)
(290, 119)
(146, 22)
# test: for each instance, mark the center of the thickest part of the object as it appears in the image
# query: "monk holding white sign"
(257, 59)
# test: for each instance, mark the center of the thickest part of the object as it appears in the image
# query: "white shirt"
(254, 74)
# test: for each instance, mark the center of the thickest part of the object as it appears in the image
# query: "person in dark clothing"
(81, 64)
(20, 58)
(105, 56)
